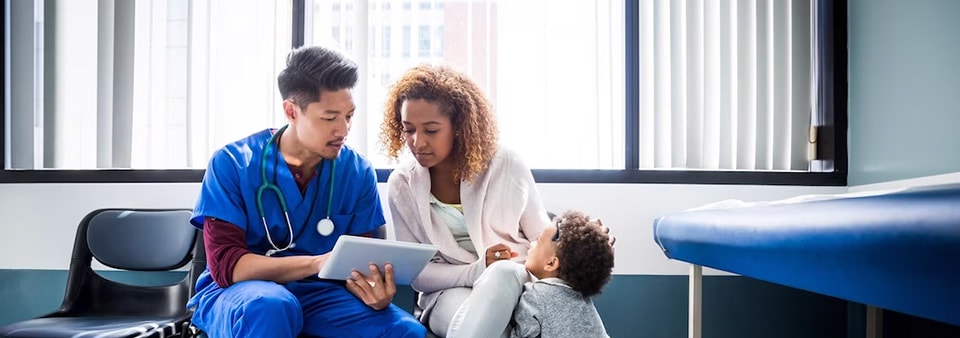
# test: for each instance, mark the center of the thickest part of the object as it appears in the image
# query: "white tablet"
(356, 253)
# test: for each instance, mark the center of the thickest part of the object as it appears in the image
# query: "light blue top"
(452, 216)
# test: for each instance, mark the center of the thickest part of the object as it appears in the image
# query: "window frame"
(832, 140)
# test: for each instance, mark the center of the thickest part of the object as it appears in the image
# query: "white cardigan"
(501, 205)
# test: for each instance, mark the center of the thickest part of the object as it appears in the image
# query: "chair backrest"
(135, 240)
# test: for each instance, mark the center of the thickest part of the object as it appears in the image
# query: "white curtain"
(553, 70)
(724, 84)
(205, 75)
(147, 84)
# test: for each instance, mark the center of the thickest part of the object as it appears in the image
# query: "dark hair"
(311, 69)
(458, 98)
(586, 257)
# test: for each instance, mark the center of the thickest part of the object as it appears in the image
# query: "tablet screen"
(356, 253)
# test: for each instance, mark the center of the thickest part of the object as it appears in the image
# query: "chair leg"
(189, 331)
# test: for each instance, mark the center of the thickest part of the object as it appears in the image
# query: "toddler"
(572, 262)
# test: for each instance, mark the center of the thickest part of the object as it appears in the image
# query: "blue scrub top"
(229, 193)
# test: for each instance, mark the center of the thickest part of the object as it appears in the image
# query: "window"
(385, 44)
(513, 50)
(160, 86)
(406, 41)
(386, 79)
(624, 89)
(423, 41)
(438, 37)
(348, 39)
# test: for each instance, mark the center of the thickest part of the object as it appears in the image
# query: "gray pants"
(484, 310)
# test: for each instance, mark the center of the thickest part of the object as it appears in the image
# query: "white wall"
(39, 220)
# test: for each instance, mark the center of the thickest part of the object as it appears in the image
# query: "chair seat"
(101, 327)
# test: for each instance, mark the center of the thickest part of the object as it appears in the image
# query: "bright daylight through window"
(161, 84)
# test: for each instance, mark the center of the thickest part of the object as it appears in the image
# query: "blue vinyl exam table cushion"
(899, 251)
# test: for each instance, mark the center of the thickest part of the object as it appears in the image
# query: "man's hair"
(586, 257)
(311, 69)
(460, 99)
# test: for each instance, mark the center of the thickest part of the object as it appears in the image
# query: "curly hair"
(460, 99)
(586, 257)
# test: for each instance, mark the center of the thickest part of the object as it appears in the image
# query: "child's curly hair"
(586, 257)
(458, 97)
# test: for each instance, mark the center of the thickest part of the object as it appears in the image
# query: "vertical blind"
(553, 70)
(149, 84)
(724, 84)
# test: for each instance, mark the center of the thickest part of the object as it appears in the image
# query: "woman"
(475, 201)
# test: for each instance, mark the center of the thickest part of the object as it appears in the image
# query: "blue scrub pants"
(310, 308)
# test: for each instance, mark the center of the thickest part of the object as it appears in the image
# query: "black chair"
(124, 239)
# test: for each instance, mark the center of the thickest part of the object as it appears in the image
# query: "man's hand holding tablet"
(362, 254)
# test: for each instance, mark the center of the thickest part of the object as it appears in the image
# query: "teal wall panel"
(649, 306)
(630, 305)
(29, 293)
(904, 89)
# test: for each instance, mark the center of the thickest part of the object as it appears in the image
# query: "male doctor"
(271, 208)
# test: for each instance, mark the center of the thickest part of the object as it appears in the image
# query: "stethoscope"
(324, 227)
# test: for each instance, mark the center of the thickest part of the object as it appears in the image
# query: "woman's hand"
(499, 252)
(376, 291)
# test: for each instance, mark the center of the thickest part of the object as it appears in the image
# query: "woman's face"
(427, 132)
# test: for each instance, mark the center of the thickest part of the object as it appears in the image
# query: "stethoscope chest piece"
(325, 227)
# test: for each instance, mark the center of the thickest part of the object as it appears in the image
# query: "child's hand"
(498, 252)
(606, 230)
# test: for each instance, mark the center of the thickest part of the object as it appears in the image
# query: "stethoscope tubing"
(266, 185)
